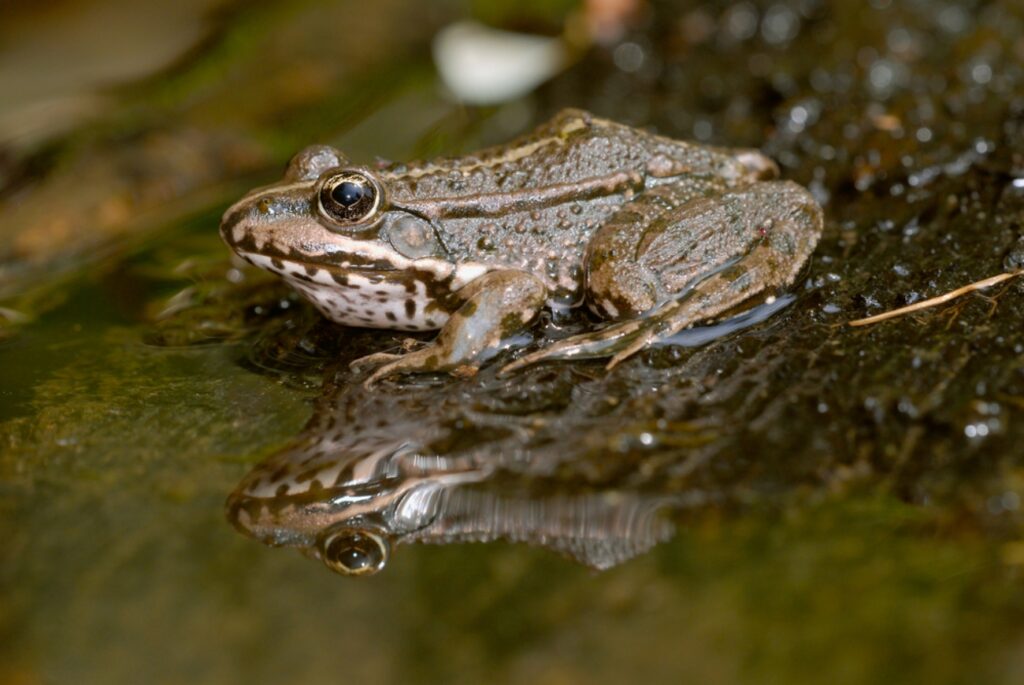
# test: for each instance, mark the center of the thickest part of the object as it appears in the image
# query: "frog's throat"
(412, 300)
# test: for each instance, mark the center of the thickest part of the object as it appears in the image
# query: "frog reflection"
(348, 498)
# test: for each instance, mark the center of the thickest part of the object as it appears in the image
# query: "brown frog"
(652, 234)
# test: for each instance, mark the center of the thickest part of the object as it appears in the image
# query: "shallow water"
(847, 503)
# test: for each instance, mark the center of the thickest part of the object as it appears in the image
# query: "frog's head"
(327, 213)
(345, 504)
(331, 231)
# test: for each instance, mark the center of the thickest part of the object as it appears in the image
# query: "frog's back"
(571, 147)
(534, 203)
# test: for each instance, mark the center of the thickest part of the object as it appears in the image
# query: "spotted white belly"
(362, 301)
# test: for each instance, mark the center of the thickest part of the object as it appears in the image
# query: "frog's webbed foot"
(497, 305)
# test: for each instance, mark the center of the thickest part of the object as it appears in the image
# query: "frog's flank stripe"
(496, 204)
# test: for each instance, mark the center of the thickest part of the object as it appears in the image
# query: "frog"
(649, 234)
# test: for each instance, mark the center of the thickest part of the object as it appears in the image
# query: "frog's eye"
(349, 197)
(354, 552)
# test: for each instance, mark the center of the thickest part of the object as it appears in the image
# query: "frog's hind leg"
(660, 266)
(496, 306)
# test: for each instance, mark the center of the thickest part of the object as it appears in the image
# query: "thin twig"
(941, 299)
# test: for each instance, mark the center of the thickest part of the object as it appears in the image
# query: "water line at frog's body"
(702, 335)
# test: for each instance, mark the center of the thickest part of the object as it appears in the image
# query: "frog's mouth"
(294, 263)
(314, 270)
(305, 248)
(334, 269)
(346, 274)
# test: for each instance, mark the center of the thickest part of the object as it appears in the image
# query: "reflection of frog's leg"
(659, 265)
(497, 305)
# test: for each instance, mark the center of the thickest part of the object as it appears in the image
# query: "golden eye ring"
(349, 198)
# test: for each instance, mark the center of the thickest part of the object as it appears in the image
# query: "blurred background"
(860, 518)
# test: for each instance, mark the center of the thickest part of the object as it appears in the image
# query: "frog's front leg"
(668, 260)
(495, 306)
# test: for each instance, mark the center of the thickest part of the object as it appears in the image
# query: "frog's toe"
(555, 352)
(465, 371)
(371, 361)
(637, 344)
(391, 368)
(426, 360)
(602, 343)
(520, 363)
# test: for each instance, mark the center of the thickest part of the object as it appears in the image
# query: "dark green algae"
(863, 486)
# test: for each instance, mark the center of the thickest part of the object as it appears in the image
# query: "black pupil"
(354, 559)
(348, 193)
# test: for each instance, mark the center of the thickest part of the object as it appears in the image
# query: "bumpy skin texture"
(652, 233)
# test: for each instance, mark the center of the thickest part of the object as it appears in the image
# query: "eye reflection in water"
(353, 552)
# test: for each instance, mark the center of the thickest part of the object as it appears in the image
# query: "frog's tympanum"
(652, 234)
